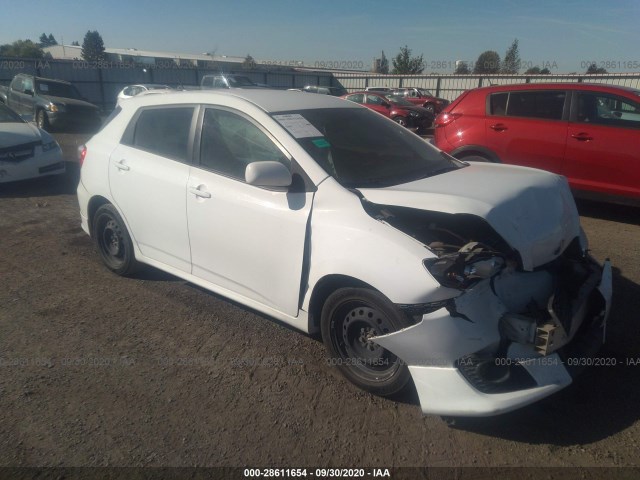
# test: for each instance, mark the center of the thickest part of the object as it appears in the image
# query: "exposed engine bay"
(543, 308)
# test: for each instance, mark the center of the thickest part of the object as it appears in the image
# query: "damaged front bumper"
(477, 357)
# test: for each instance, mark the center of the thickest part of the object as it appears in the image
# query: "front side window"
(547, 104)
(356, 97)
(230, 142)
(374, 100)
(164, 131)
(611, 110)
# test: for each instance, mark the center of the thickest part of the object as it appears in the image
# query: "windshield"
(425, 93)
(361, 148)
(240, 82)
(56, 89)
(9, 116)
(399, 100)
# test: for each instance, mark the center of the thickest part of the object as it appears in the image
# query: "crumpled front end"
(507, 340)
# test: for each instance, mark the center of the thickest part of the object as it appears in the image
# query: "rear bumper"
(441, 350)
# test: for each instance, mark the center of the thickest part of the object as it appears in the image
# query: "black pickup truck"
(51, 103)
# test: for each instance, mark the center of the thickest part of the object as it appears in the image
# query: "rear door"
(603, 144)
(528, 128)
(148, 174)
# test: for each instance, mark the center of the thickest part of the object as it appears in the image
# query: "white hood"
(12, 134)
(532, 210)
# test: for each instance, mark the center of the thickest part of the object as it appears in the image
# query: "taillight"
(82, 153)
(445, 118)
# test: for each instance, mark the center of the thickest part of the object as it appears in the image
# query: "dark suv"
(588, 133)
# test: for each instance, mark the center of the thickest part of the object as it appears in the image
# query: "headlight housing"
(57, 107)
(52, 145)
(461, 271)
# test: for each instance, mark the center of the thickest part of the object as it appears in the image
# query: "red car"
(588, 133)
(423, 98)
(396, 108)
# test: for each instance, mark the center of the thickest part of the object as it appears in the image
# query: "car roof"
(266, 99)
(558, 85)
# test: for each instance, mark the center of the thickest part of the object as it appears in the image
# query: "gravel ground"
(98, 370)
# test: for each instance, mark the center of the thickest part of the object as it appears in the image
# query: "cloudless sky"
(561, 35)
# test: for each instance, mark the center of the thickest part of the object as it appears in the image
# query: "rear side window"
(548, 104)
(358, 98)
(163, 131)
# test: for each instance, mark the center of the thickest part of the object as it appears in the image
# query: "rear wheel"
(351, 319)
(113, 241)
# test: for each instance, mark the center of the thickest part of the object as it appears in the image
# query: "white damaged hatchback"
(472, 282)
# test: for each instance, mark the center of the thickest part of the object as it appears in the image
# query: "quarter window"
(498, 103)
(230, 142)
(164, 131)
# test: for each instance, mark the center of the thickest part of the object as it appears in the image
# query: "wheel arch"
(94, 204)
(321, 291)
(469, 150)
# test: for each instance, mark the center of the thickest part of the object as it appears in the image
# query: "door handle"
(200, 193)
(122, 166)
(498, 127)
(582, 137)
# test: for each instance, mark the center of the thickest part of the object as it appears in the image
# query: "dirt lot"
(98, 370)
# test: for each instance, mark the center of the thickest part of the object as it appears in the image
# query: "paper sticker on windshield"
(297, 125)
(321, 143)
(44, 87)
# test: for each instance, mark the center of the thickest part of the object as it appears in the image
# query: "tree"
(93, 47)
(21, 48)
(511, 64)
(47, 41)
(462, 68)
(488, 62)
(536, 71)
(383, 66)
(405, 64)
(593, 68)
(75, 43)
(249, 63)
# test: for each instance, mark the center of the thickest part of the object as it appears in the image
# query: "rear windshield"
(361, 148)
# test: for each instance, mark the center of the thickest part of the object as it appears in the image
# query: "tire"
(401, 121)
(41, 120)
(350, 317)
(113, 241)
(430, 107)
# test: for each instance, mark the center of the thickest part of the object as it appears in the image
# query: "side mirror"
(28, 92)
(267, 174)
(386, 105)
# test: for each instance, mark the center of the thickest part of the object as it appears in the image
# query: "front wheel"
(113, 241)
(430, 108)
(351, 319)
(41, 120)
(400, 121)
(475, 158)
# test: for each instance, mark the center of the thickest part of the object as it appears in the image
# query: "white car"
(471, 281)
(26, 151)
(131, 91)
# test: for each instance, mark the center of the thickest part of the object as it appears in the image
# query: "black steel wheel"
(113, 241)
(351, 319)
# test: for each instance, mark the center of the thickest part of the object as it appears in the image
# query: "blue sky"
(563, 35)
